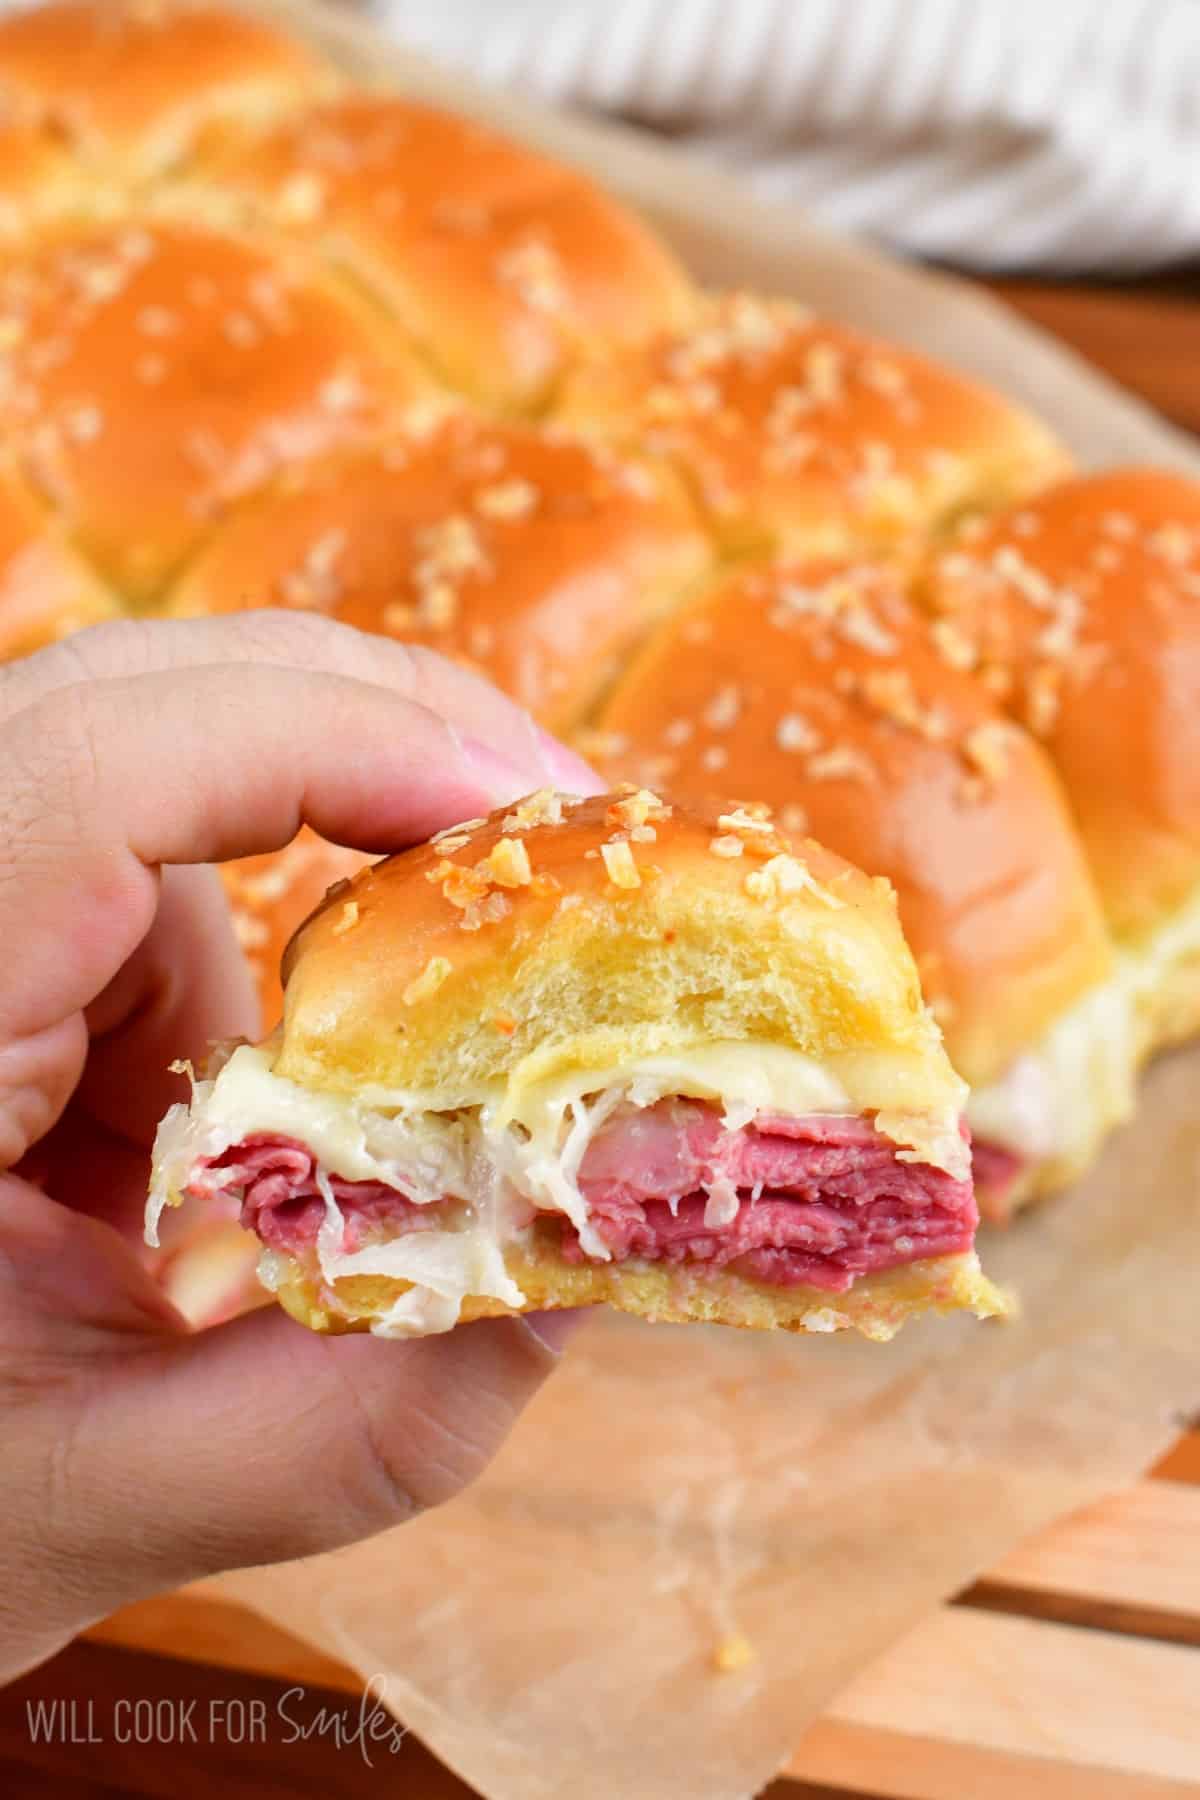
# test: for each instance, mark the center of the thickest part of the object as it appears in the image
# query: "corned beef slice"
(820, 1200)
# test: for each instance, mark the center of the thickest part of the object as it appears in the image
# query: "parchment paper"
(553, 1630)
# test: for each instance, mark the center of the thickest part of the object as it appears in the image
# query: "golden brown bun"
(566, 936)
(133, 84)
(540, 562)
(876, 1306)
(1081, 612)
(802, 436)
(562, 936)
(40, 183)
(46, 590)
(150, 375)
(502, 264)
(270, 895)
(818, 689)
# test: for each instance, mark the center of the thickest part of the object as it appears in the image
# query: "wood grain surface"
(1145, 335)
(1071, 1673)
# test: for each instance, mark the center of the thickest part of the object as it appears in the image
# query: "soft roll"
(605, 1050)
(820, 689)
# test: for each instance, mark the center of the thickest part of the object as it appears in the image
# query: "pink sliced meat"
(276, 1179)
(819, 1200)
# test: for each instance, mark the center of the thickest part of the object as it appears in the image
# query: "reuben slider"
(603, 1050)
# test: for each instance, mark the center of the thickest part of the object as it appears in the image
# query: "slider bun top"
(46, 589)
(820, 689)
(268, 897)
(1080, 611)
(40, 183)
(803, 436)
(536, 559)
(135, 83)
(150, 374)
(502, 264)
(559, 935)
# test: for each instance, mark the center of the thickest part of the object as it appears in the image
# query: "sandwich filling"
(635, 1171)
(1055, 1102)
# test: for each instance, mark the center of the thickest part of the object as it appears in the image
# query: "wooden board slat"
(1144, 337)
(1183, 1462)
(1130, 1564)
(1021, 1687)
(864, 1759)
(195, 1627)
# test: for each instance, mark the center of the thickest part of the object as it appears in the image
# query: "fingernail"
(566, 770)
(501, 779)
(554, 1329)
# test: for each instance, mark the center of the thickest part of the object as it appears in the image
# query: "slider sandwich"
(821, 690)
(1080, 613)
(600, 1050)
(801, 437)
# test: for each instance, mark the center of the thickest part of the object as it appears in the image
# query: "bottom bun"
(876, 1306)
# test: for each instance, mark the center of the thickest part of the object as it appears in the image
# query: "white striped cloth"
(1056, 134)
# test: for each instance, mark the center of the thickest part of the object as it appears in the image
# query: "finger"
(100, 783)
(257, 1442)
(276, 1443)
(339, 1437)
(82, 1165)
(185, 988)
(299, 641)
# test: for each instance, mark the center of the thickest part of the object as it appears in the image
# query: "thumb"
(251, 1443)
(270, 1442)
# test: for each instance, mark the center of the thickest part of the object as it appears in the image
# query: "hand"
(137, 1455)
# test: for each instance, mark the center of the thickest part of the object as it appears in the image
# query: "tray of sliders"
(887, 648)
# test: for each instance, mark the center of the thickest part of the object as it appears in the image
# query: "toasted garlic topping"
(488, 911)
(508, 863)
(986, 748)
(459, 886)
(794, 733)
(1173, 544)
(636, 807)
(785, 875)
(953, 645)
(467, 825)
(745, 818)
(1042, 699)
(251, 932)
(514, 499)
(618, 861)
(841, 763)
(427, 982)
(348, 920)
(545, 807)
(301, 198)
